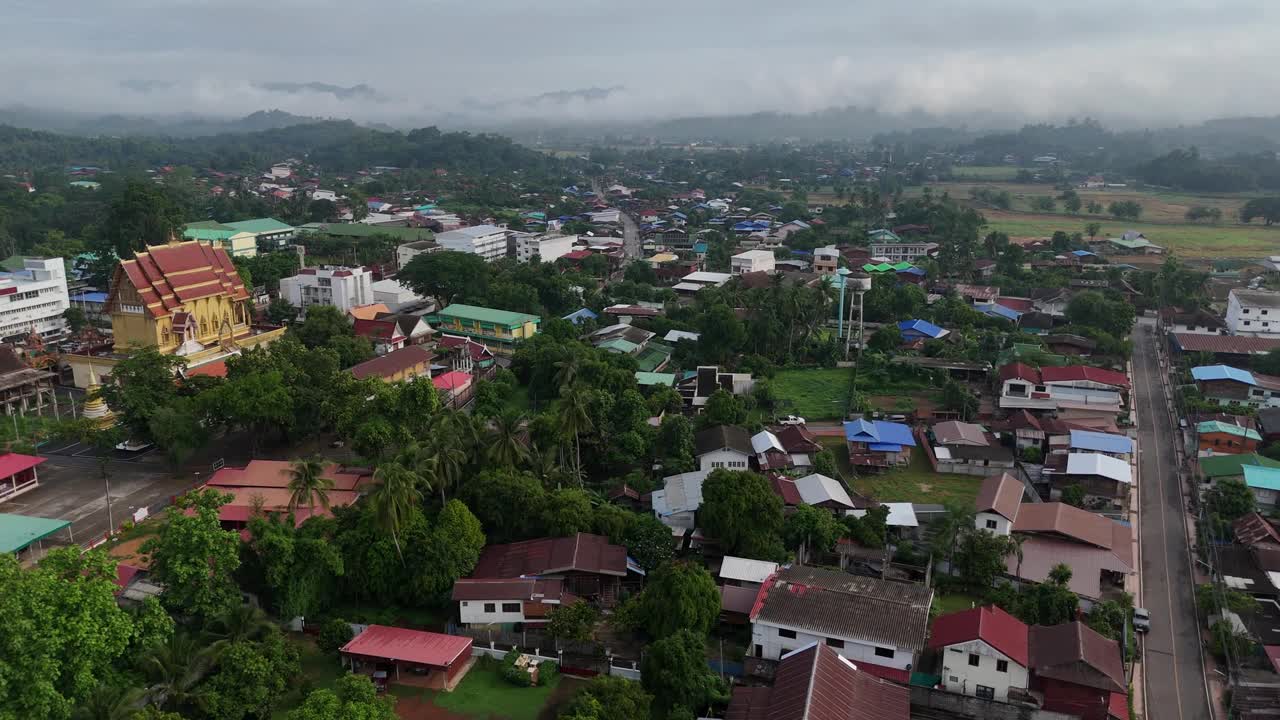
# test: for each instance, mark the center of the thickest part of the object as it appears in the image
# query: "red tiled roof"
(1118, 706)
(1077, 373)
(1022, 305)
(1075, 653)
(796, 439)
(815, 683)
(125, 574)
(451, 380)
(217, 368)
(989, 624)
(275, 474)
(477, 351)
(1020, 371)
(1076, 524)
(165, 276)
(581, 553)
(1253, 529)
(786, 489)
(13, 463)
(410, 646)
(393, 362)
(1229, 344)
(577, 255)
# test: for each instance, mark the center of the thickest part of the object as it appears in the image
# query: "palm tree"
(176, 668)
(393, 497)
(567, 370)
(546, 464)
(109, 702)
(575, 418)
(308, 486)
(505, 444)
(242, 622)
(1015, 544)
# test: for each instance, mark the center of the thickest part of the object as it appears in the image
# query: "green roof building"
(1222, 467)
(237, 243)
(655, 378)
(502, 326)
(19, 532)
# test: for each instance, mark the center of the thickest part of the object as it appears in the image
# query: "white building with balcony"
(33, 299)
(487, 241)
(341, 287)
(1254, 313)
(548, 247)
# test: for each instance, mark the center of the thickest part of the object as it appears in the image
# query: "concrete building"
(984, 653)
(826, 260)
(885, 244)
(1254, 313)
(33, 299)
(410, 250)
(486, 324)
(341, 287)
(487, 241)
(752, 261)
(502, 601)
(548, 247)
(394, 295)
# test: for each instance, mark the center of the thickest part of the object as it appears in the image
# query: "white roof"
(1095, 464)
(687, 286)
(746, 570)
(680, 493)
(754, 255)
(942, 453)
(815, 489)
(702, 276)
(901, 514)
(764, 441)
(469, 233)
(678, 335)
(392, 286)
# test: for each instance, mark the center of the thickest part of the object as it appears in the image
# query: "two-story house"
(1223, 384)
(996, 507)
(984, 653)
(814, 682)
(590, 566)
(486, 324)
(1253, 312)
(878, 444)
(877, 624)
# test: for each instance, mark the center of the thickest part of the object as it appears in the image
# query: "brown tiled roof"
(721, 437)
(1075, 653)
(508, 589)
(815, 683)
(954, 431)
(1002, 495)
(1228, 344)
(166, 276)
(1072, 523)
(837, 604)
(393, 362)
(1253, 529)
(580, 553)
(796, 439)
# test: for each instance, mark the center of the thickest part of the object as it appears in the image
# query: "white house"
(1255, 313)
(752, 261)
(723, 446)
(997, 504)
(548, 247)
(880, 625)
(508, 601)
(984, 652)
(34, 299)
(487, 241)
(341, 287)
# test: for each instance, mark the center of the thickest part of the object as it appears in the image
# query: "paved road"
(630, 231)
(1174, 673)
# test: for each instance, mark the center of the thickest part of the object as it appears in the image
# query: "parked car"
(791, 420)
(1141, 620)
(133, 445)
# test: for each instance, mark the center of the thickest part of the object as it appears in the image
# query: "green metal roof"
(1217, 426)
(653, 378)
(1216, 466)
(488, 315)
(654, 355)
(260, 225)
(620, 345)
(1262, 478)
(208, 234)
(19, 531)
(1132, 244)
(207, 225)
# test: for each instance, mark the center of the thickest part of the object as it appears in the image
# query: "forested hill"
(339, 146)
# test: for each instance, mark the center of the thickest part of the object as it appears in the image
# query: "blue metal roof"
(884, 447)
(924, 327)
(1100, 442)
(1000, 311)
(1081, 253)
(895, 433)
(860, 430)
(579, 316)
(879, 432)
(91, 297)
(1263, 478)
(1222, 372)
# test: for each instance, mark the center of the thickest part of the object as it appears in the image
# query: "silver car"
(1141, 620)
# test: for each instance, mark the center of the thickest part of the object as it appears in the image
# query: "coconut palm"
(1015, 545)
(506, 444)
(109, 702)
(394, 495)
(242, 622)
(176, 668)
(575, 418)
(567, 370)
(308, 487)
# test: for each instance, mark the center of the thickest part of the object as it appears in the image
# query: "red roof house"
(18, 474)
(984, 653)
(439, 660)
(1072, 374)
(1077, 670)
(816, 683)
(589, 564)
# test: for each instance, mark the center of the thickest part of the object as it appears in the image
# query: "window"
(1002, 666)
(1264, 312)
(510, 607)
(790, 634)
(991, 524)
(759, 651)
(1246, 323)
(838, 644)
(884, 652)
(490, 607)
(984, 692)
(464, 603)
(974, 659)
(1245, 311)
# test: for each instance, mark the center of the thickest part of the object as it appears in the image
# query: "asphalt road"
(1174, 671)
(630, 231)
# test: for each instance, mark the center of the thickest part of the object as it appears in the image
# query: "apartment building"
(1253, 312)
(33, 300)
(548, 247)
(341, 287)
(487, 241)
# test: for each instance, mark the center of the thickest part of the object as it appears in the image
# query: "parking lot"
(72, 488)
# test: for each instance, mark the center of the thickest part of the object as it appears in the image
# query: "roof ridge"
(813, 675)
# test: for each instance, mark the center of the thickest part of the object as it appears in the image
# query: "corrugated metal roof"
(989, 624)
(816, 489)
(1102, 465)
(746, 569)
(19, 531)
(487, 315)
(1217, 426)
(1001, 494)
(1263, 478)
(404, 645)
(1206, 373)
(1101, 442)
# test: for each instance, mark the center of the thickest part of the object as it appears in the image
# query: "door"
(984, 692)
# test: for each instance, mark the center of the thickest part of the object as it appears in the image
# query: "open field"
(814, 394)
(990, 173)
(956, 602)
(916, 483)
(1185, 239)
(483, 695)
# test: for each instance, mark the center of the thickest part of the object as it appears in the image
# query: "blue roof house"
(1105, 443)
(878, 444)
(578, 317)
(920, 330)
(1265, 484)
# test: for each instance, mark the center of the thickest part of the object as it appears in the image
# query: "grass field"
(484, 695)
(1194, 241)
(957, 602)
(319, 671)
(917, 483)
(990, 173)
(814, 394)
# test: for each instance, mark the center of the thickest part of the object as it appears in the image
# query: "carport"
(426, 658)
(19, 532)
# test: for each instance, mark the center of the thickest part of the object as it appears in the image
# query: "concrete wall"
(1002, 525)
(726, 458)
(960, 677)
(472, 612)
(962, 705)
(773, 647)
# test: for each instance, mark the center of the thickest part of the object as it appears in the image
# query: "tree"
(575, 418)
(960, 399)
(334, 633)
(1071, 201)
(394, 495)
(724, 408)
(980, 558)
(1044, 204)
(1092, 229)
(251, 678)
(567, 512)
(1094, 207)
(574, 622)
(63, 635)
(675, 672)
(193, 558)
(506, 442)
(1094, 309)
(1230, 499)
(951, 529)
(885, 339)
(443, 276)
(607, 698)
(1267, 208)
(742, 512)
(109, 702)
(75, 318)
(1073, 495)
(176, 668)
(143, 215)
(179, 428)
(1050, 602)
(1211, 599)
(281, 311)
(675, 444)
(508, 503)
(353, 697)
(648, 541)
(140, 385)
(1125, 209)
(238, 623)
(679, 596)
(308, 486)
(811, 530)
(870, 530)
(722, 334)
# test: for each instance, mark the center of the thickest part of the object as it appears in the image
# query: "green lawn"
(954, 603)
(814, 394)
(1203, 241)
(993, 173)
(319, 671)
(484, 695)
(917, 483)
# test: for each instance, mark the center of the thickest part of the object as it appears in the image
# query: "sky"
(1155, 62)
